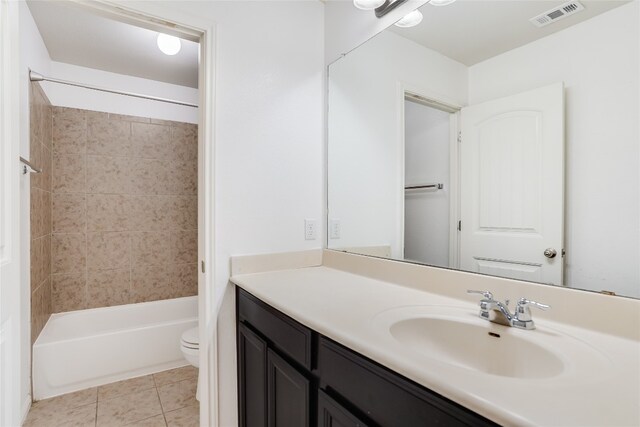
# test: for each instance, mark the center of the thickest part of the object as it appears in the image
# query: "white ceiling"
(76, 36)
(470, 31)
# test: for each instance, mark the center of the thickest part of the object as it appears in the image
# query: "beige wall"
(124, 209)
(40, 112)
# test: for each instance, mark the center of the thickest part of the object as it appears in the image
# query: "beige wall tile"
(148, 177)
(184, 212)
(151, 248)
(108, 137)
(47, 225)
(35, 157)
(129, 118)
(108, 174)
(108, 250)
(68, 292)
(69, 173)
(68, 252)
(46, 166)
(40, 308)
(69, 130)
(39, 262)
(184, 280)
(47, 131)
(151, 213)
(151, 141)
(108, 212)
(108, 287)
(181, 177)
(37, 213)
(184, 246)
(151, 283)
(68, 213)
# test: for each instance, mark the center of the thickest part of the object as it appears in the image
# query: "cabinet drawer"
(287, 335)
(387, 398)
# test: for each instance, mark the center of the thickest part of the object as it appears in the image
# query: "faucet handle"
(523, 302)
(488, 295)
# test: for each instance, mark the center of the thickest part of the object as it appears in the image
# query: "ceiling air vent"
(557, 13)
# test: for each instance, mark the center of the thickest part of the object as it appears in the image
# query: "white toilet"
(190, 346)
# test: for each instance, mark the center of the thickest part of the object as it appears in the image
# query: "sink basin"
(453, 337)
(477, 348)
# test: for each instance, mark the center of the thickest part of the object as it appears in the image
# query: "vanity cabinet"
(291, 376)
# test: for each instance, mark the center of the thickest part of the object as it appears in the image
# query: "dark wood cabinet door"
(287, 394)
(252, 378)
(332, 414)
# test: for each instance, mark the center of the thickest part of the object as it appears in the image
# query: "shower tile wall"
(40, 116)
(124, 209)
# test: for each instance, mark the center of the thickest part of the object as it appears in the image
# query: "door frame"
(443, 103)
(156, 17)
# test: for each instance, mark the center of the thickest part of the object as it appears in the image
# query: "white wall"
(426, 212)
(598, 60)
(74, 97)
(269, 141)
(366, 99)
(346, 27)
(33, 54)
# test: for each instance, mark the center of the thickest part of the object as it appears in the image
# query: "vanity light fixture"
(410, 20)
(441, 2)
(368, 4)
(169, 45)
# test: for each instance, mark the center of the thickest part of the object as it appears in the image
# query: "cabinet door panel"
(332, 414)
(288, 394)
(252, 378)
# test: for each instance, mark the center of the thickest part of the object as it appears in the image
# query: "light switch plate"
(334, 228)
(310, 229)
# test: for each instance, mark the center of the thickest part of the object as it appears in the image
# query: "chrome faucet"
(498, 312)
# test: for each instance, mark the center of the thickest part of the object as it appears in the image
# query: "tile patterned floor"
(165, 399)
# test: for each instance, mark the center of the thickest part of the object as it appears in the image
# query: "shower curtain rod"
(37, 77)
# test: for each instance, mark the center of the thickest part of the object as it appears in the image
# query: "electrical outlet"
(334, 228)
(310, 229)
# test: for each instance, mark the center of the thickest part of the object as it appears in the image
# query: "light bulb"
(169, 45)
(368, 4)
(410, 20)
(441, 2)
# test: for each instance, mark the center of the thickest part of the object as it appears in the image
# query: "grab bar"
(27, 164)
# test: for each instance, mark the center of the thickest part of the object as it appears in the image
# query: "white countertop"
(346, 308)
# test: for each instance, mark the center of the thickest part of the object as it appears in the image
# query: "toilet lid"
(190, 337)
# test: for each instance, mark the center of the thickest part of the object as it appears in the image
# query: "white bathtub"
(87, 348)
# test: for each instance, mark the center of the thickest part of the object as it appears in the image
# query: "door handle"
(550, 253)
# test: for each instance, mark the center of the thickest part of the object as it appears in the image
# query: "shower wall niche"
(124, 209)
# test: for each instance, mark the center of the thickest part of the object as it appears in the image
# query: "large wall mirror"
(497, 137)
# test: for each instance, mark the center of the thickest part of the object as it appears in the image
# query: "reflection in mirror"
(495, 137)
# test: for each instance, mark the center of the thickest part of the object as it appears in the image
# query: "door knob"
(550, 253)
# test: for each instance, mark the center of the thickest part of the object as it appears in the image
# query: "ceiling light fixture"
(169, 45)
(368, 4)
(441, 2)
(410, 20)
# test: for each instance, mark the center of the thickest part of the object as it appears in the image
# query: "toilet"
(190, 346)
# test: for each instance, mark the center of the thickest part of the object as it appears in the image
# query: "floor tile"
(178, 395)
(82, 416)
(185, 417)
(129, 408)
(156, 421)
(121, 388)
(175, 375)
(49, 407)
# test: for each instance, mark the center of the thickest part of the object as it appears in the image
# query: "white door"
(11, 360)
(512, 186)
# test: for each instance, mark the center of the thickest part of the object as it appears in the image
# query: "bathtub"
(87, 348)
